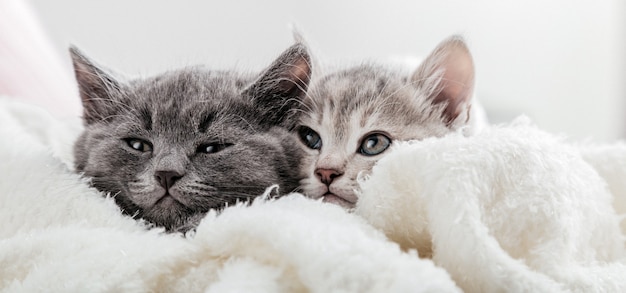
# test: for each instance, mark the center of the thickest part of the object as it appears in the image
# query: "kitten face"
(171, 147)
(355, 115)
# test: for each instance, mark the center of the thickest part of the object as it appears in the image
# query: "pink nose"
(327, 175)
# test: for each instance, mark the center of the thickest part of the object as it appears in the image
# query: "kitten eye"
(310, 138)
(139, 144)
(212, 148)
(374, 144)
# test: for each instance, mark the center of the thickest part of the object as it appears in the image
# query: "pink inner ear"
(453, 60)
(297, 76)
(300, 70)
(457, 83)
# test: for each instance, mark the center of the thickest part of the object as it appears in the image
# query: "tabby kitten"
(355, 114)
(171, 147)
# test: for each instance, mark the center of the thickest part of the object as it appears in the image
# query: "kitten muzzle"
(344, 202)
(168, 201)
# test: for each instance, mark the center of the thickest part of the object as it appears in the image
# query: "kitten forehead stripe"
(146, 118)
(206, 120)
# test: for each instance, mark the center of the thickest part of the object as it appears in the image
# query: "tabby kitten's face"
(171, 147)
(355, 115)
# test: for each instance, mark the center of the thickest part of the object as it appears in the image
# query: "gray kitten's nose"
(327, 175)
(167, 178)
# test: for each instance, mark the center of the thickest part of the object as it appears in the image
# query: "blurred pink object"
(30, 69)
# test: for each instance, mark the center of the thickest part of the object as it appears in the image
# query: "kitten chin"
(169, 148)
(356, 114)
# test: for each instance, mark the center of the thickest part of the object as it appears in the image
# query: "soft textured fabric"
(510, 209)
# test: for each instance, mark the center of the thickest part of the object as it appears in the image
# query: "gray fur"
(179, 113)
(346, 106)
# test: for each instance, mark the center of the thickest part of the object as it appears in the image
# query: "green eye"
(310, 138)
(374, 144)
(211, 148)
(139, 144)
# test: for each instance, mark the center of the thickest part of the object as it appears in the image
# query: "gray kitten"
(171, 147)
(354, 115)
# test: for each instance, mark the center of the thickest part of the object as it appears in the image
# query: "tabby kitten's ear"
(279, 91)
(448, 74)
(96, 88)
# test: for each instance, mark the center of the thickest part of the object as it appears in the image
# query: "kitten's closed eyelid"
(211, 148)
(138, 144)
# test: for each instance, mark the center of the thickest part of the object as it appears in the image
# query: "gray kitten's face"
(354, 116)
(171, 147)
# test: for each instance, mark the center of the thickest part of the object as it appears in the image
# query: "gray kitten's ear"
(96, 88)
(447, 74)
(279, 91)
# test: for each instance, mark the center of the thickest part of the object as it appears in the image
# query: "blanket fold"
(510, 209)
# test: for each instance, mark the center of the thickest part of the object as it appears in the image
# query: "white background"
(561, 62)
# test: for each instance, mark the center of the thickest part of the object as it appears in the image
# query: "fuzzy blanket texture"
(509, 209)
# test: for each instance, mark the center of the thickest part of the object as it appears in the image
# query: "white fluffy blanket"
(511, 209)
